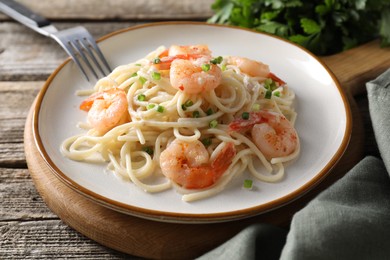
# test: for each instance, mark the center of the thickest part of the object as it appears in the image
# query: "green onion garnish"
(248, 184)
(188, 103)
(141, 97)
(142, 79)
(213, 123)
(277, 93)
(256, 107)
(209, 111)
(160, 109)
(137, 64)
(156, 75)
(216, 60)
(206, 67)
(245, 115)
(195, 114)
(134, 75)
(148, 150)
(270, 84)
(223, 67)
(206, 141)
(150, 106)
(156, 60)
(268, 94)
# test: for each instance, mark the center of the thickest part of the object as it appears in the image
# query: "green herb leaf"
(206, 67)
(141, 97)
(213, 123)
(245, 115)
(142, 79)
(160, 109)
(248, 184)
(156, 75)
(323, 27)
(217, 60)
(206, 141)
(196, 114)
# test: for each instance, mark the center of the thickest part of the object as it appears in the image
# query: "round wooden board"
(157, 240)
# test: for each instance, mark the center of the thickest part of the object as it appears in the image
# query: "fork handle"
(24, 15)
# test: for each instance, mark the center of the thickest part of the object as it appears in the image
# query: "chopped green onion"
(217, 60)
(256, 107)
(156, 60)
(150, 106)
(277, 93)
(206, 141)
(213, 123)
(270, 84)
(223, 67)
(188, 103)
(268, 94)
(245, 115)
(137, 64)
(248, 184)
(142, 79)
(134, 75)
(209, 111)
(160, 109)
(206, 67)
(195, 114)
(141, 97)
(156, 75)
(148, 150)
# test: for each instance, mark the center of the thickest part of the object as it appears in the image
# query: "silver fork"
(76, 41)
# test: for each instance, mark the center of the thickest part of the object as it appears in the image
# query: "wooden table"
(27, 227)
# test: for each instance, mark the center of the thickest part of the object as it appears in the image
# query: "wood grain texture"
(26, 55)
(15, 100)
(120, 9)
(24, 240)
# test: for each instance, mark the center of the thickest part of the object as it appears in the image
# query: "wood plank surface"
(26, 55)
(120, 9)
(15, 100)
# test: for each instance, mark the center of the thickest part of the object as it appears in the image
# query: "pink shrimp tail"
(206, 175)
(88, 102)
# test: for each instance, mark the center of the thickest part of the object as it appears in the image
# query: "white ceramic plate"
(323, 124)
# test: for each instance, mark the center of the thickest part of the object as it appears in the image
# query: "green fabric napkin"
(349, 220)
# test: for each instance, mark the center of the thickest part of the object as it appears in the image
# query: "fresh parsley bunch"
(322, 26)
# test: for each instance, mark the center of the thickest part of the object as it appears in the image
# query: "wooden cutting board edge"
(158, 240)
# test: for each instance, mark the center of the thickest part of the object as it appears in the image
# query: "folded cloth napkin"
(349, 220)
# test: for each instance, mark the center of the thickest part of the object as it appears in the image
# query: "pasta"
(181, 118)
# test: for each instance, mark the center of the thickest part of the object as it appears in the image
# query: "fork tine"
(76, 44)
(84, 43)
(96, 48)
(81, 46)
(72, 54)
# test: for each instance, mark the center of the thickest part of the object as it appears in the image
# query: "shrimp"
(202, 50)
(254, 68)
(251, 67)
(272, 133)
(190, 69)
(106, 109)
(188, 164)
(189, 76)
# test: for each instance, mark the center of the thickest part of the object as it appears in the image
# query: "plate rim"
(177, 217)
